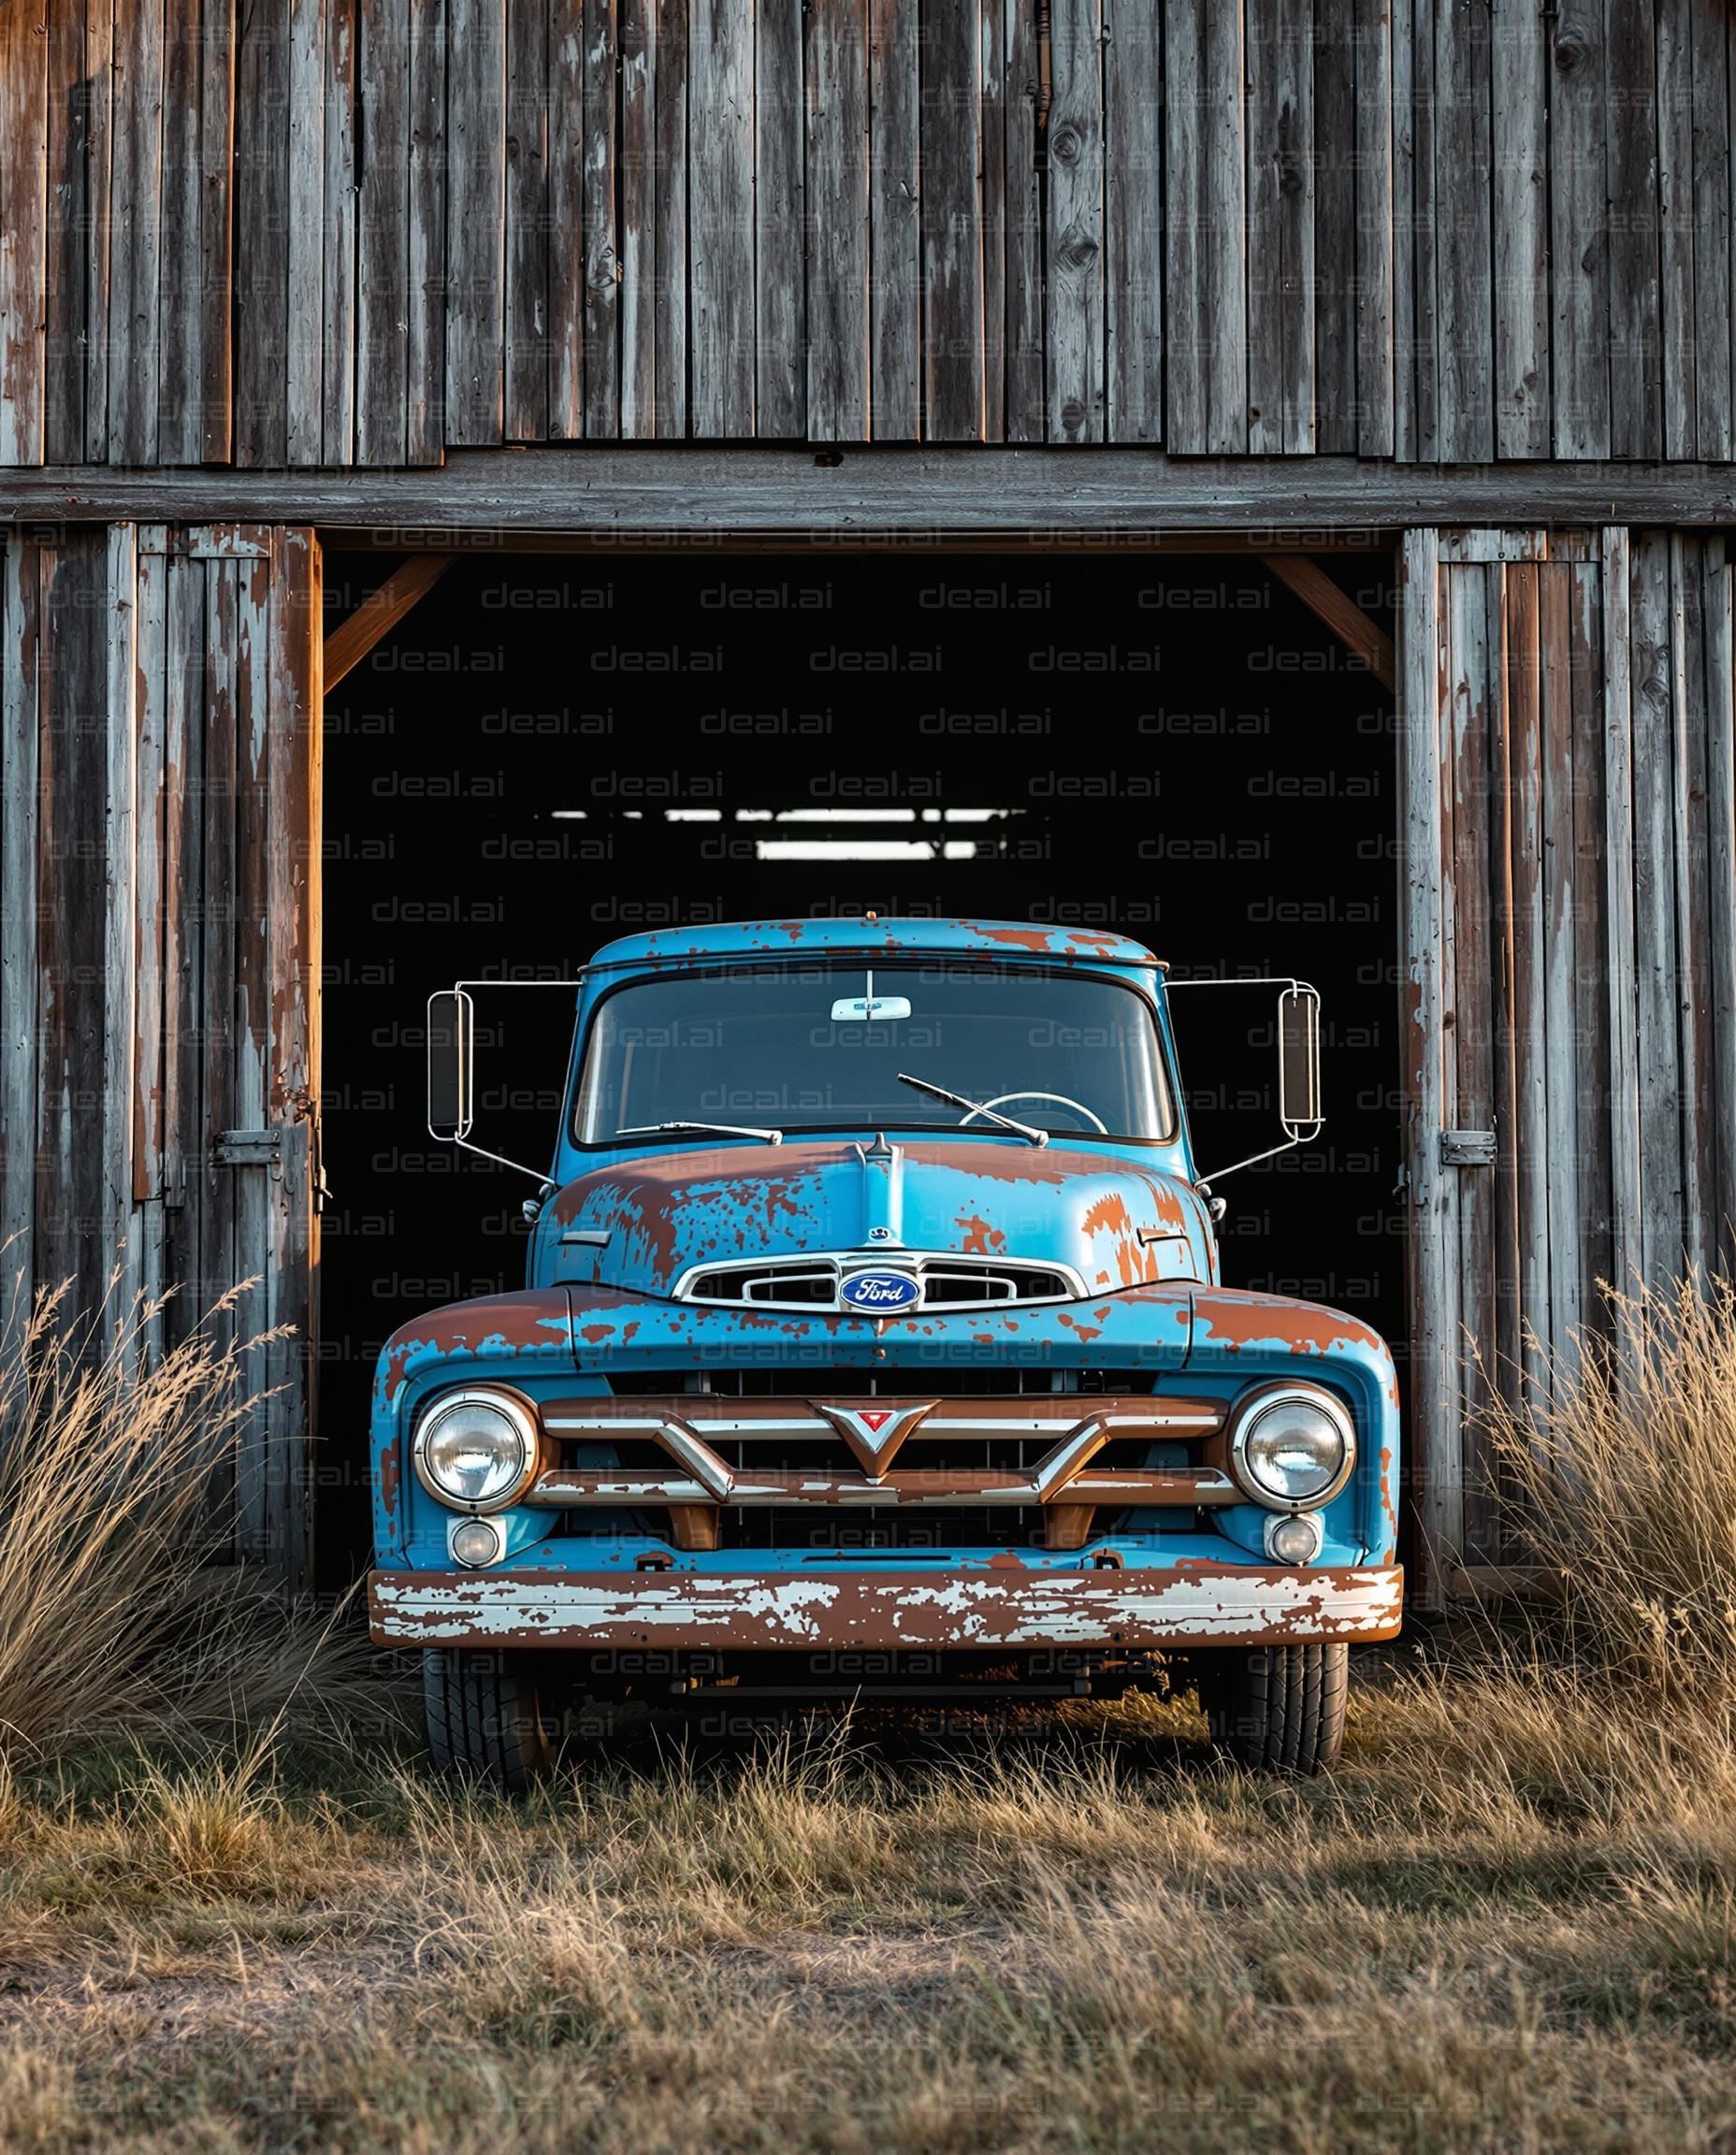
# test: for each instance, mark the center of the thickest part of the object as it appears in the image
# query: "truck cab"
(873, 1339)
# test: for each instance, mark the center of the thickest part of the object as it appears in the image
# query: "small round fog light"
(475, 1542)
(1294, 1539)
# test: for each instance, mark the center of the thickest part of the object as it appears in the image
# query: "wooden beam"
(1338, 611)
(607, 495)
(380, 613)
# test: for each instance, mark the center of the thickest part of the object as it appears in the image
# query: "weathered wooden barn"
(1452, 278)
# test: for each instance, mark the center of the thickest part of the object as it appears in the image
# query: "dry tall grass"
(1624, 1489)
(112, 1618)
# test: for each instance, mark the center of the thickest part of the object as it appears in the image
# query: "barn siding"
(1570, 956)
(159, 734)
(325, 231)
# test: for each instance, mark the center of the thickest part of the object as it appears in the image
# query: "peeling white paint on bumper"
(1000, 1606)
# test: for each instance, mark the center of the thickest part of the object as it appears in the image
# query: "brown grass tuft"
(1624, 1487)
(114, 1618)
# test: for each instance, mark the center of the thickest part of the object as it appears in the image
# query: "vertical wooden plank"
(1589, 1045)
(151, 908)
(1721, 897)
(67, 112)
(991, 97)
(527, 228)
(1536, 1150)
(1580, 231)
(1223, 215)
(566, 219)
(292, 909)
(1338, 150)
(952, 224)
(262, 211)
(838, 231)
(98, 207)
(1675, 221)
(639, 218)
(1630, 153)
(1425, 1008)
(217, 67)
(1710, 30)
(337, 265)
(119, 1032)
(475, 222)
(383, 234)
(603, 358)
(1692, 874)
(183, 880)
(1281, 227)
(136, 199)
(1133, 118)
(670, 332)
(721, 152)
(22, 570)
(151, 695)
(308, 238)
(223, 1265)
(1376, 225)
(1411, 148)
(1520, 131)
(23, 229)
(894, 227)
(72, 923)
(1073, 315)
(1473, 605)
(1026, 411)
(1554, 1203)
(780, 389)
(426, 347)
(250, 1041)
(1628, 1248)
(1187, 398)
(1463, 257)
(1657, 1043)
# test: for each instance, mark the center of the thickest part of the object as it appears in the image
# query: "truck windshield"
(1062, 1052)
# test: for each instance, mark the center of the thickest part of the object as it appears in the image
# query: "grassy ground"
(1505, 1923)
(235, 1915)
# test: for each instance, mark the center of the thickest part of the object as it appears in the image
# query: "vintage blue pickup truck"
(873, 1341)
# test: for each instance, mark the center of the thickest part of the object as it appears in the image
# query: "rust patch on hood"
(538, 1317)
(1230, 1318)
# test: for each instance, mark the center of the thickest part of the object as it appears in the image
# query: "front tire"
(489, 1717)
(1278, 1709)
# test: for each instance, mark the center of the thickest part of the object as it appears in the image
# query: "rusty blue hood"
(638, 1226)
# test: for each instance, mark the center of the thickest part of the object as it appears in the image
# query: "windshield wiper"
(699, 1129)
(977, 1108)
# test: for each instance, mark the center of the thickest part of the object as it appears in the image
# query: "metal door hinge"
(251, 1149)
(1467, 1147)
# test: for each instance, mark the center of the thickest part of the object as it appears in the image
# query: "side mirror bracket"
(1299, 1113)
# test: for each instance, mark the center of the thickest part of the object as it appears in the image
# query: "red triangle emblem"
(876, 1421)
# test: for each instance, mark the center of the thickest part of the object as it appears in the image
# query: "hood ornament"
(874, 1430)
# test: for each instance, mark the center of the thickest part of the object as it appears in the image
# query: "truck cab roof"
(745, 941)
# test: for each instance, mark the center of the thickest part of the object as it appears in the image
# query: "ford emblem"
(879, 1294)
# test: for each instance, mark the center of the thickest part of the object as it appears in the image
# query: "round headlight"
(1293, 1446)
(476, 1449)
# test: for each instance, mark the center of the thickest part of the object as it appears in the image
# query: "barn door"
(1569, 975)
(159, 1047)
(231, 1133)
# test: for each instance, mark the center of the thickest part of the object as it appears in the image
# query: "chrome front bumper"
(1002, 1605)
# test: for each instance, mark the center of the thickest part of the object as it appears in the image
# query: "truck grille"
(844, 1469)
(947, 1281)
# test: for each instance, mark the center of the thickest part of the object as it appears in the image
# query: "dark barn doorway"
(553, 751)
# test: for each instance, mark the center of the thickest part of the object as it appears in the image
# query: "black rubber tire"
(1276, 1709)
(487, 1718)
